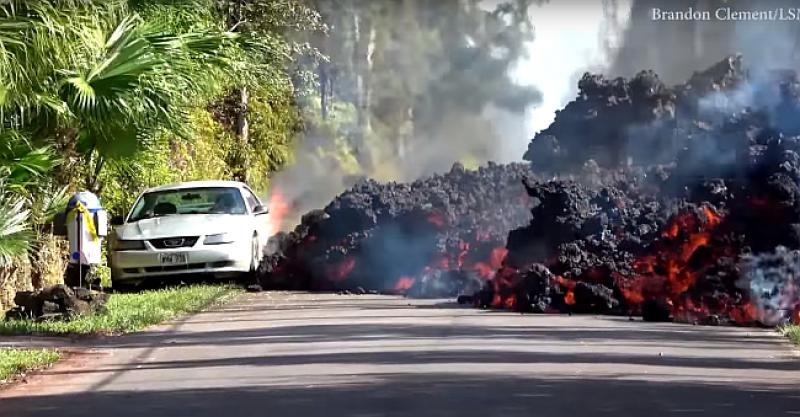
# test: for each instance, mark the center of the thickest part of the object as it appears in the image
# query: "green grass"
(16, 361)
(793, 333)
(129, 312)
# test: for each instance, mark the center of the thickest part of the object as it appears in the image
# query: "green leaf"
(14, 229)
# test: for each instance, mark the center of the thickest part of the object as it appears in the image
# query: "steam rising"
(675, 49)
(569, 39)
(773, 281)
(612, 37)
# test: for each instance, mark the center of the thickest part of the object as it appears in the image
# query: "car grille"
(174, 242)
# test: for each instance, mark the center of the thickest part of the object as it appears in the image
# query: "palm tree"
(97, 72)
(21, 170)
(93, 74)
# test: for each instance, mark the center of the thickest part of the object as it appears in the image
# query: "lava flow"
(658, 204)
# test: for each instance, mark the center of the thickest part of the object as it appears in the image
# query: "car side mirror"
(259, 209)
(117, 221)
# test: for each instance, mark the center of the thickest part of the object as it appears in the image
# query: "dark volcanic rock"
(660, 191)
(640, 198)
(58, 301)
(426, 238)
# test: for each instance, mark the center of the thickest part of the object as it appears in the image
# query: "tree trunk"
(94, 182)
(243, 134)
(363, 47)
(364, 33)
(324, 80)
(235, 17)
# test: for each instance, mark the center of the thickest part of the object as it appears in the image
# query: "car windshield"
(217, 200)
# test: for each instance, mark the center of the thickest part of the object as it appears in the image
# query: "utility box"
(87, 225)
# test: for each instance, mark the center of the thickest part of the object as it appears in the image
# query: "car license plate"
(174, 258)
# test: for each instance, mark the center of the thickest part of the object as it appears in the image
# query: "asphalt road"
(278, 354)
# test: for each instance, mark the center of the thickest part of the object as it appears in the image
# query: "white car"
(201, 227)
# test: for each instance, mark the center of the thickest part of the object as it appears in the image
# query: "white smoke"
(773, 282)
(569, 41)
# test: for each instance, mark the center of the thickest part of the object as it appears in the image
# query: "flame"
(463, 250)
(484, 270)
(497, 300)
(279, 208)
(404, 283)
(566, 283)
(795, 317)
(569, 298)
(339, 272)
(745, 314)
(437, 219)
(669, 271)
(497, 257)
(502, 281)
(712, 218)
(510, 302)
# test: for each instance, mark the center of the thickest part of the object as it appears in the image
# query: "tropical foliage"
(118, 95)
(114, 95)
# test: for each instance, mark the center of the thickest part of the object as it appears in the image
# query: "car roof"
(198, 184)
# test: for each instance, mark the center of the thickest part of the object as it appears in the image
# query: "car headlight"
(128, 245)
(219, 239)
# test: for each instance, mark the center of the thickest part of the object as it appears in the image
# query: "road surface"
(280, 354)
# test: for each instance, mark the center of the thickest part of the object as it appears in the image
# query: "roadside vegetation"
(793, 333)
(129, 312)
(17, 361)
(115, 96)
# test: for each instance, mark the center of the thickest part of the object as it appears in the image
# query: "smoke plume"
(480, 98)
(675, 49)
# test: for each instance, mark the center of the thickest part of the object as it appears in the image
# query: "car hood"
(181, 225)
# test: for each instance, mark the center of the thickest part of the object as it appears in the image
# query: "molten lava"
(686, 251)
(436, 219)
(404, 284)
(339, 272)
(569, 298)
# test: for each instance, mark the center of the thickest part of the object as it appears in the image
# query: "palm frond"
(15, 237)
(23, 165)
(47, 204)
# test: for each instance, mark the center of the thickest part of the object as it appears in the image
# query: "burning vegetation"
(674, 203)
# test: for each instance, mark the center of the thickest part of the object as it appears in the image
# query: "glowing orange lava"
(404, 283)
(279, 208)
(671, 269)
(497, 257)
(339, 272)
(436, 219)
(569, 298)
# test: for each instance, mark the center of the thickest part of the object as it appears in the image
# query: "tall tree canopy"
(412, 69)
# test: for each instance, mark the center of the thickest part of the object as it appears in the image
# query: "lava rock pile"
(639, 199)
(661, 195)
(57, 302)
(434, 237)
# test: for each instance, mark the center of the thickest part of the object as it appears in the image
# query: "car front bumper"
(218, 259)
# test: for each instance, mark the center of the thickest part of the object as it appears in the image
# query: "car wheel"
(118, 286)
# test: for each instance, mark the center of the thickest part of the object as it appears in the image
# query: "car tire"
(123, 287)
